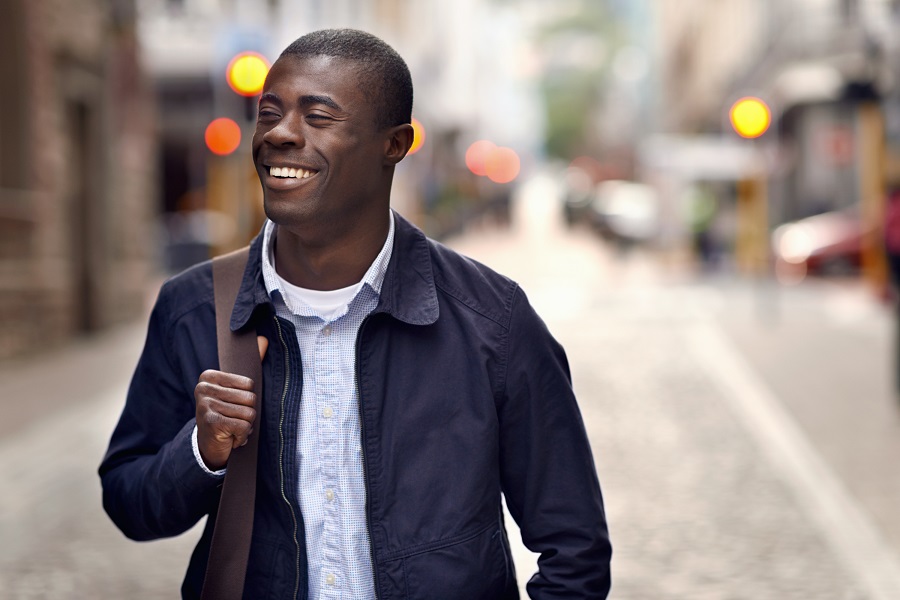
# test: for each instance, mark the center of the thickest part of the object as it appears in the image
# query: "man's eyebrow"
(270, 97)
(324, 100)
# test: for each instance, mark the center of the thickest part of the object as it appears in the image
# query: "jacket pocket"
(474, 568)
(270, 570)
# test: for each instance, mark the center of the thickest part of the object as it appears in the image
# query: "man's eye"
(318, 117)
(266, 114)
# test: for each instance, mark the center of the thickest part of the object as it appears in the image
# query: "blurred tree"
(577, 50)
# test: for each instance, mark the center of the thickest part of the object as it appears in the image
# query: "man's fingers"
(225, 411)
(232, 410)
(206, 391)
(263, 344)
(228, 429)
(226, 380)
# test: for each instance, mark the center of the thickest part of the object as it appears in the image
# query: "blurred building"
(76, 171)
(828, 70)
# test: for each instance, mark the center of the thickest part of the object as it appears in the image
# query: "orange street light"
(223, 136)
(246, 73)
(418, 136)
(750, 117)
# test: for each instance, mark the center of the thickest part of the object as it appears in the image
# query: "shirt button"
(329, 495)
(329, 579)
(326, 331)
(327, 412)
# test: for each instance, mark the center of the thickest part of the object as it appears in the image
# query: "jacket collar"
(252, 292)
(408, 292)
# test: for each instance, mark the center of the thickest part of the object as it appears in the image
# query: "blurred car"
(826, 244)
(625, 210)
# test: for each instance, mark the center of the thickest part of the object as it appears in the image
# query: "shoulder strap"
(238, 353)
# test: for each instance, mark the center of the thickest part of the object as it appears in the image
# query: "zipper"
(362, 431)
(287, 378)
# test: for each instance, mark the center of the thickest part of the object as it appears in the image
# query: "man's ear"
(398, 142)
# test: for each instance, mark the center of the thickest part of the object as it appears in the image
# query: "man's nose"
(288, 132)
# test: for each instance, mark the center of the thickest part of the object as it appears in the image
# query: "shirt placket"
(328, 415)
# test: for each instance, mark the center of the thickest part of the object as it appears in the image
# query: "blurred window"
(13, 64)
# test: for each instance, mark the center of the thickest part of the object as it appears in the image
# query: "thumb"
(263, 344)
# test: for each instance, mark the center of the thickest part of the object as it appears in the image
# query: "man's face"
(317, 151)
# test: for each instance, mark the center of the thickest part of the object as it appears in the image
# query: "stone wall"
(78, 183)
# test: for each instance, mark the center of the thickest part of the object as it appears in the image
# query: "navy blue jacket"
(463, 394)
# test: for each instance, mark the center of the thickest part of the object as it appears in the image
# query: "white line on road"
(819, 492)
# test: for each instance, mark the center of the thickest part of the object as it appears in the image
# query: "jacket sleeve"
(152, 484)
(547, 470)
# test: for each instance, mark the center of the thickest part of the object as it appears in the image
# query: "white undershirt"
(329, 304)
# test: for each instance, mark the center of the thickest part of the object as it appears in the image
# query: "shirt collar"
(374, 276)
(409, 293)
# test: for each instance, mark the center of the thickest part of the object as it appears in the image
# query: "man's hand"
(226, 408)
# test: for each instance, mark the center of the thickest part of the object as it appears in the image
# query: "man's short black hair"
(386, 78)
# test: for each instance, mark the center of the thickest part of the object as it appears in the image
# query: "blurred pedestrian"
(702, 208)
(892, 253)
(404, 386)
(892, 236)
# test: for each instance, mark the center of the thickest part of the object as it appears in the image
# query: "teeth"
(288, 172)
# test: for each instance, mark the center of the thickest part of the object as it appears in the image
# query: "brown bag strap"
(238, 353)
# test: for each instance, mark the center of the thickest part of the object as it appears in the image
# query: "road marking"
(821, 495)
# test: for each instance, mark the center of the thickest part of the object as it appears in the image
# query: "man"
(404, 386)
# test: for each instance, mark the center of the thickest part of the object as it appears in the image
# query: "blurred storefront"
(76, 171)
(827, 69)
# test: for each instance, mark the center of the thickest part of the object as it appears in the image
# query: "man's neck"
(338, 263)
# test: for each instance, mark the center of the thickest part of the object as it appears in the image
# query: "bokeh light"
(477, 154)
(750, 117)
(418, 136)
(223, 136)
(246, 73)
(502, 165)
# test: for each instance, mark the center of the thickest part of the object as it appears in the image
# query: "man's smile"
(286, 172)
(287, 177)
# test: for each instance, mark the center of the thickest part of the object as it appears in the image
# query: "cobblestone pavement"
(712, 491)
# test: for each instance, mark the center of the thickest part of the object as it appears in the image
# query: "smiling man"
(405, 387)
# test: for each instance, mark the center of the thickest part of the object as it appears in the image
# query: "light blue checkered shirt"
(331, 484)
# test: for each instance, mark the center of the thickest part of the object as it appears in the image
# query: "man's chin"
(289, 214)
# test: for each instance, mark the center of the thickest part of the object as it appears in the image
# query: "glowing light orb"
(246, 73)
(502, 165)
(477, 154)
(750, 117)
(223, 136)
(418, 137)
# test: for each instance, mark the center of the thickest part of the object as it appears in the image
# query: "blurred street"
(746, 439)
